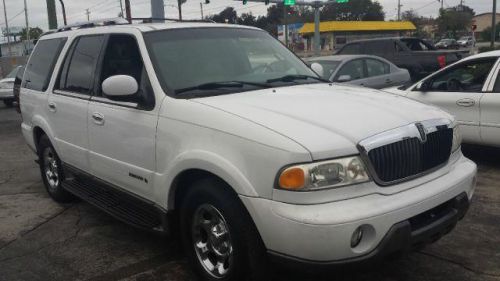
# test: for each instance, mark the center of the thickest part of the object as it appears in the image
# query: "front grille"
(409, 157)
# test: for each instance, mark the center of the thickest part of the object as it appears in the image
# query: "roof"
(143, 27)
(483, 14)
(331, 26)
(338, 57)
(484, 55)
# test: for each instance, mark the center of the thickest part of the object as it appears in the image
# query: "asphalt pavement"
(43, 240)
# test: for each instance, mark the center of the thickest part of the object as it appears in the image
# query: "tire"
(207, 207)
(52, 172)
(8, 103)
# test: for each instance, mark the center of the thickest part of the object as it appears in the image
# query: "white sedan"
(468, 89)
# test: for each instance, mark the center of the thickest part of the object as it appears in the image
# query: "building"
(18, 48)
(334, 34)
(483, 21)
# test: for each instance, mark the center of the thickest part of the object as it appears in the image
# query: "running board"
(118, 204)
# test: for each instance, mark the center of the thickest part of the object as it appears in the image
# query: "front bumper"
(321, 233)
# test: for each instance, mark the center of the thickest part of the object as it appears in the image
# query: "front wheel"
(219, 236)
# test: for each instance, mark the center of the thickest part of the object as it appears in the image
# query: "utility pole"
(285, 22)
(399, 10)
(201, 10)
(317, 39)
(87, 12)
(121, 8)
(27, 26)
(179, 8)
(157, 10)
(7, 28)
(51, 11)
(63, 11)
(493, 24)
(127, 11)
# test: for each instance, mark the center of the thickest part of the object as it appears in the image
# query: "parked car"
(175, 127)
(447, 44)
(368, 71)
(470, 90)
(466, 41)
(416, 55)
(7, 87)
(17, 88)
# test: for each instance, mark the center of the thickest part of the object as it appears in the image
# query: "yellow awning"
(332, 26)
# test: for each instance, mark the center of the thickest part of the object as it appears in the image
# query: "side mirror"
(318, 68)
(344, 78)
(422, 86)
(120, 86)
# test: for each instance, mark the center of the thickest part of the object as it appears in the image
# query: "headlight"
(457, 139)
(324, 174)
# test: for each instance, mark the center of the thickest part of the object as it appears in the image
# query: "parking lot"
(42, 240)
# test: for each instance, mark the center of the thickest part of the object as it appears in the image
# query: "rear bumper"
(405, 236)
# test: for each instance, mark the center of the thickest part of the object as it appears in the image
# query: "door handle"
(466, 102)
(52, 107)
(98, 118)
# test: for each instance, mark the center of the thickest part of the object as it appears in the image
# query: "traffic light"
(245, 2)
(266, 2)
(207, 1)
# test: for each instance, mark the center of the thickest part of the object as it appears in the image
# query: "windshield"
(221, 60)
(13, 73)
(329, 67)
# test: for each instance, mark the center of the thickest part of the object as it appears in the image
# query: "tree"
(247, 19)
(454, 20)
(35, 33)
(354, 10)
(419, 22)
(228, 15)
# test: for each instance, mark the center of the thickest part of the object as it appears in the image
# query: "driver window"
(466, 77)
(354, 68)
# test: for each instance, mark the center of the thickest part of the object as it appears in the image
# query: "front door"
(122, 132)
(458, 90)
(490, 112)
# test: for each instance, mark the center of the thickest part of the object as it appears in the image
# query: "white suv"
(220, 133)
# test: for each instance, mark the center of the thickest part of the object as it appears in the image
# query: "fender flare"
(205, 161)
(40, 122)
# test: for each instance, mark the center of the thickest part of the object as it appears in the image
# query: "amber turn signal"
(292, 178)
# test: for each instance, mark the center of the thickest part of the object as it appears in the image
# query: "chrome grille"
(413, 151)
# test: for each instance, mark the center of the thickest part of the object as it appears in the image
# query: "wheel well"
(184, 180)
(37, 134)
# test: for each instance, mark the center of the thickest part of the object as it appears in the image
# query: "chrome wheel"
(212, 241)
(50, 168)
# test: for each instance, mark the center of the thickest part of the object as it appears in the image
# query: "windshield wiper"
(294, 77)
(218, 85)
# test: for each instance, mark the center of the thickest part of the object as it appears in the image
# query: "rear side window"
(79, 66)
(354, 48)
(375, 47)
(41, 64)
(376, 67)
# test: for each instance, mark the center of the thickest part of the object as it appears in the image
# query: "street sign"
(289, 2)
(342, 1)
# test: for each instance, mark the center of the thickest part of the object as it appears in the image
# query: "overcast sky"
(75, 9)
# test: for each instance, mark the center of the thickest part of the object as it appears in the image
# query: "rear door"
(459, 90)
(378, 74)
(68, 103)
(355, 69)
(122, 132)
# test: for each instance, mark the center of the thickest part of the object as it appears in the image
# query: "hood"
(327, 119)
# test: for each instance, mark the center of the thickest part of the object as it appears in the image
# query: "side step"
(118, 204)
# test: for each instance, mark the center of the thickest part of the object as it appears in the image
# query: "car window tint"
(496, 88)
(398, 48)
(329, 67)
(376, 67)
(466, 77)
(354, 48)
(41, 63)
(80, 65)
(353, 68)
(375, 47)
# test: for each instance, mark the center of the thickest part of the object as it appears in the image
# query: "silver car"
(363, 70)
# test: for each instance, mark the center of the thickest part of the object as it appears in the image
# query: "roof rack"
(94, 23)
(116, 21)
(152, 20)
